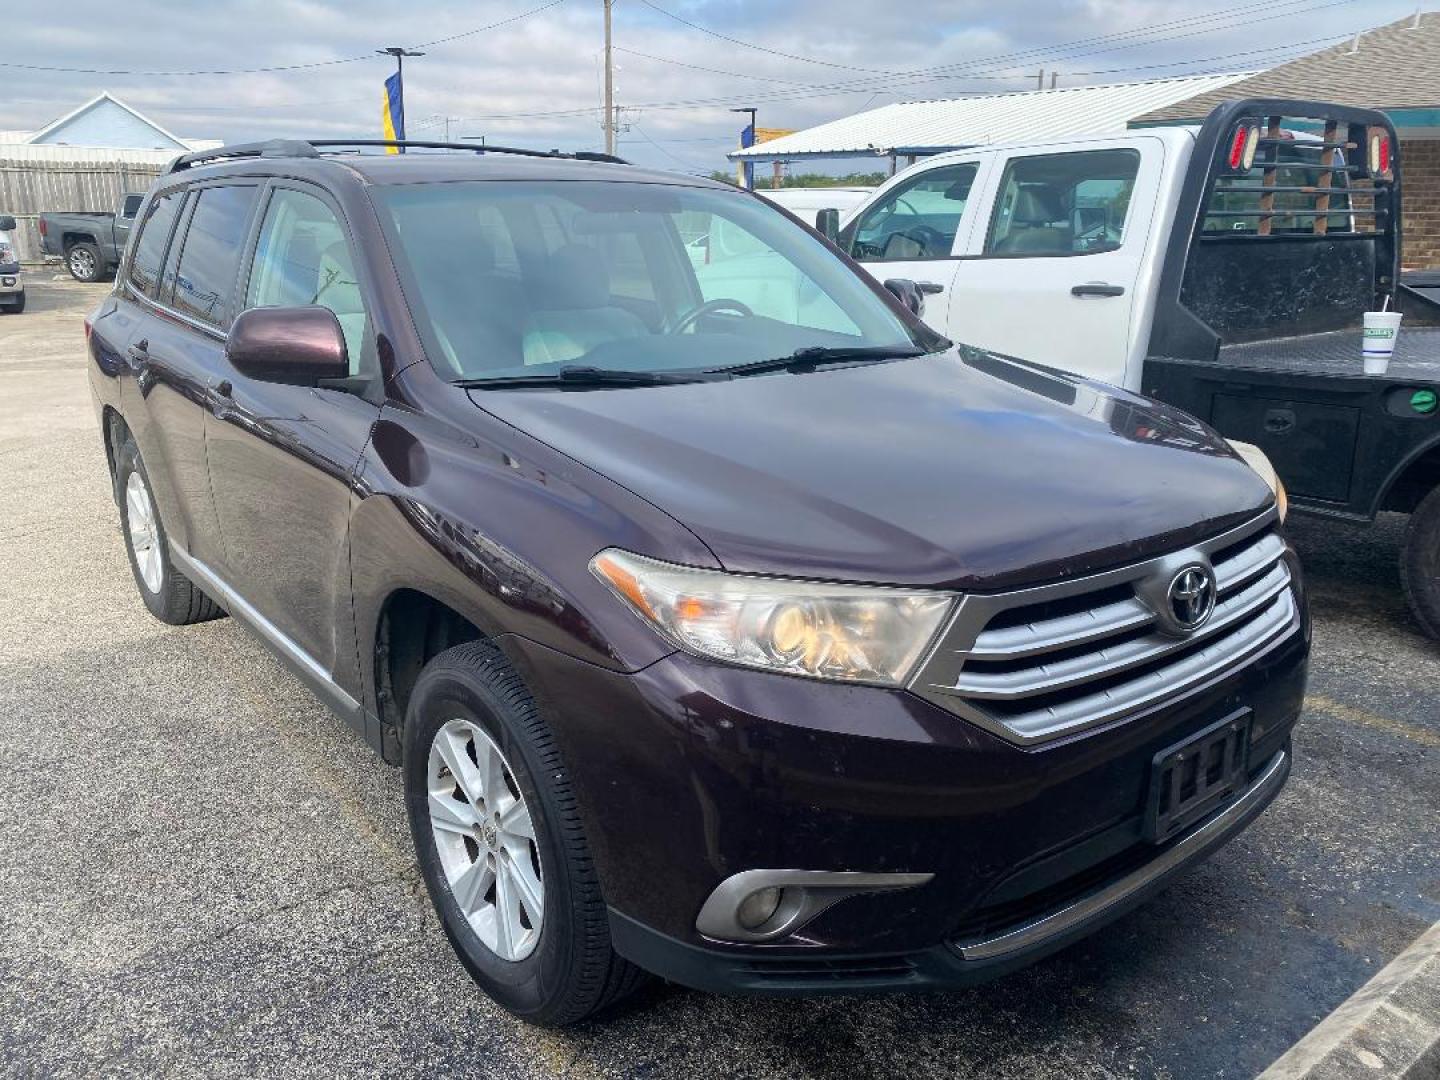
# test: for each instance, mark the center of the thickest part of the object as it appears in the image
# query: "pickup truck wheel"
(85, 262)
(170, 595)
(500, 843)
(1420, 563)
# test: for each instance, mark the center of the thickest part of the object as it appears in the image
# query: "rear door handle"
(1097, 288)
(139, 354)
(930, 288)
(224, 389)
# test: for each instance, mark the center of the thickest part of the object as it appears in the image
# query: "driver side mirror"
(7, 223)
(908, 293)
(827, 224)
(296, 346)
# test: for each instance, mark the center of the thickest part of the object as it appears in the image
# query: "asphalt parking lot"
(202, 870)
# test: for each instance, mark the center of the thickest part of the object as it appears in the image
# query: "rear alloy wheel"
(85, 263)
(500, 843)
(169, 594)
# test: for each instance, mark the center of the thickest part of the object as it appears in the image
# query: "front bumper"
(689, 772)
(952, 963)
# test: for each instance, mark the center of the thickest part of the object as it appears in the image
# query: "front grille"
(1039, 663)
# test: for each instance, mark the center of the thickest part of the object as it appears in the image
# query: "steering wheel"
(684, 322)
(932, 241)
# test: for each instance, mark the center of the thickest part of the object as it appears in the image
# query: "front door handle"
(1279, 421)
(224, 389)
(1097, 288)
(930, 288)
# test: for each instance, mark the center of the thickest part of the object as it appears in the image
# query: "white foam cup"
(1378, 342)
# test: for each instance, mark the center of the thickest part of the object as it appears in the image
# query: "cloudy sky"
(529, 71)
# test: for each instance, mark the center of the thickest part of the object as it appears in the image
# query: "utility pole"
(399, 53)
(609, 85)
(1040, 80)
(747, 168)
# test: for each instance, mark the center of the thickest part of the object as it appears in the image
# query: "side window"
(205, 275)
(303, 259)
(150, 247)
(1063, 204)
(131, 206)
(916, 220)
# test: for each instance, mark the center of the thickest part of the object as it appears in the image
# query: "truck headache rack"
(311, 148)
(1288, 223)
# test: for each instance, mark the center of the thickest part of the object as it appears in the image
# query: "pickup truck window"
(1063, 204)
(131, 206)
(211, 252)
(150, 247)
(303, 259)
(604, 280)
(916, 220)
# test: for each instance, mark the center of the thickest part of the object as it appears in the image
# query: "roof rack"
(310, 148)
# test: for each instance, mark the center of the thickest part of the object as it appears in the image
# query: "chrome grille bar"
(1086, 665)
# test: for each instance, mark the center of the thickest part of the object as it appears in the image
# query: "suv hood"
(964, 470)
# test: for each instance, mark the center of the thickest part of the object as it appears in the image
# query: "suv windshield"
(521, 279)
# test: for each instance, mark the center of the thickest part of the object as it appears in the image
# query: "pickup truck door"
(282, 458)
(1053, 272)
(916, 226)
(124, 221)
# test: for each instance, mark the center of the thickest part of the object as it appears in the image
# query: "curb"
(1390, 1027)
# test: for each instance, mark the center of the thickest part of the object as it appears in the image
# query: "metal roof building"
(915, 128)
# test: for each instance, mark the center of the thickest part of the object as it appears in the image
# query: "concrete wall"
(1420, 203)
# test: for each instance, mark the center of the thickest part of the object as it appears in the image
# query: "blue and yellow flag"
(392, 112)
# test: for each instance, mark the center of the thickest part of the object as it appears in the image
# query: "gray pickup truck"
(90, 244)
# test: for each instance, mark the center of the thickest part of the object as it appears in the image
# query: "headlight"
(855, 633)
(1255, 457)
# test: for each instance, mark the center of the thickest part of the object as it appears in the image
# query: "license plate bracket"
(1196, 776)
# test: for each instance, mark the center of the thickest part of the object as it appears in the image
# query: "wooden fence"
(29, 188)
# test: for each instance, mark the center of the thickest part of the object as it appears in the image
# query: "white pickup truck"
(1222, 268)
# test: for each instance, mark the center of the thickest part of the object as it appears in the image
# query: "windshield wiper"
(573, 375)
(814, 355)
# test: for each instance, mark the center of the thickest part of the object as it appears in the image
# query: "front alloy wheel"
(485, 839)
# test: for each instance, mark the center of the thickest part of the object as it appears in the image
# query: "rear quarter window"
(151, 244)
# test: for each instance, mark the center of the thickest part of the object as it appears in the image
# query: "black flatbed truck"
(1258, 331)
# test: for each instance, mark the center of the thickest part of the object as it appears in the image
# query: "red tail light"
(1379, 153)
(43, 229)
(1242, 148)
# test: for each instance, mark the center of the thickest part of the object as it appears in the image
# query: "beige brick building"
(1395, 68)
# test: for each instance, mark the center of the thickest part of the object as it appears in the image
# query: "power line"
(1192, 20)
(276, 67)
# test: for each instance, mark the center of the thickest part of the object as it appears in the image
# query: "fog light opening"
(759, 907)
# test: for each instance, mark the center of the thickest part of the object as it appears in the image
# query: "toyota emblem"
(1192, 598)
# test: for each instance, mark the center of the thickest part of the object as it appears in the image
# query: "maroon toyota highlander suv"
(763, 641)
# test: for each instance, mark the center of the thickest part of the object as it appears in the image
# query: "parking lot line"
(1354, 715)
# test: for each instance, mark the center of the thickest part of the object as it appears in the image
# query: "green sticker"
(1423, 401)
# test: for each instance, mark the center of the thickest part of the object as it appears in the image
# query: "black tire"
(85, 262)
(1420, 563)
(14, 309)
(177, 600)
(573, 972)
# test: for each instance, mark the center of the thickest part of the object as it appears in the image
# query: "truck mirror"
(7, 223)
(827, 224)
